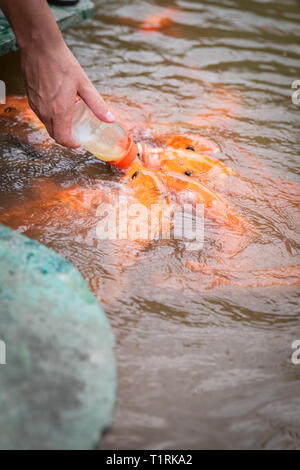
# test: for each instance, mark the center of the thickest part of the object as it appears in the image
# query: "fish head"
(191, 164)
(21, 121)
(145, 184)
(186, 154)
(195, 143)
(17, 108)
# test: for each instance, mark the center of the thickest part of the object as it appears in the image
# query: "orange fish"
(158, 21)
(155, 22)
(176, 169)
(15, 113)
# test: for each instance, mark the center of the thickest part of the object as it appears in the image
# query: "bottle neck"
(131, 154)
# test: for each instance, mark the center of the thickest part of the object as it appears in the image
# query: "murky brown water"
(199, 367)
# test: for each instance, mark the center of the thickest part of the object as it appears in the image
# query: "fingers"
(62, 128)
(95, 102)
(57, 113)
(59, 123)
(62, 134)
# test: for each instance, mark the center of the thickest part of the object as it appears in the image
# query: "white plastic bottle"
(109, 142)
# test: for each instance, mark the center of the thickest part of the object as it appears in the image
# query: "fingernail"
(110, 116)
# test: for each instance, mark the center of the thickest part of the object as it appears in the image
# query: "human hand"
(53, 79)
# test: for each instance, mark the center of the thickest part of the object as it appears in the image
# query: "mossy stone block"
(65, 17)
(57, 389)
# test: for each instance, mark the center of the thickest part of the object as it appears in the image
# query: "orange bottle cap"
(129, 157)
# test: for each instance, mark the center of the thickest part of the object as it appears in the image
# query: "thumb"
(95, 102)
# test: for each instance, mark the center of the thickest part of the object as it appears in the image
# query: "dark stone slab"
(65, 17)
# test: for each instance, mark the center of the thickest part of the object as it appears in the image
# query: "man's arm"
(52, 75)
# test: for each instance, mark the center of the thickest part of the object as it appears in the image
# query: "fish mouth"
(140, 151)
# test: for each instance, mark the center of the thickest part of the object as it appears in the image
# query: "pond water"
(204, 360)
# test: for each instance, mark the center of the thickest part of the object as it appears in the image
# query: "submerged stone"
(57, 388)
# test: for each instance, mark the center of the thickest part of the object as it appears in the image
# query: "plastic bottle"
(108, 142)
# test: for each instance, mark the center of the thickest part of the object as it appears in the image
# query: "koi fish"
(155, 22)
(158, 21)
(175, 169)
(22, 123)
